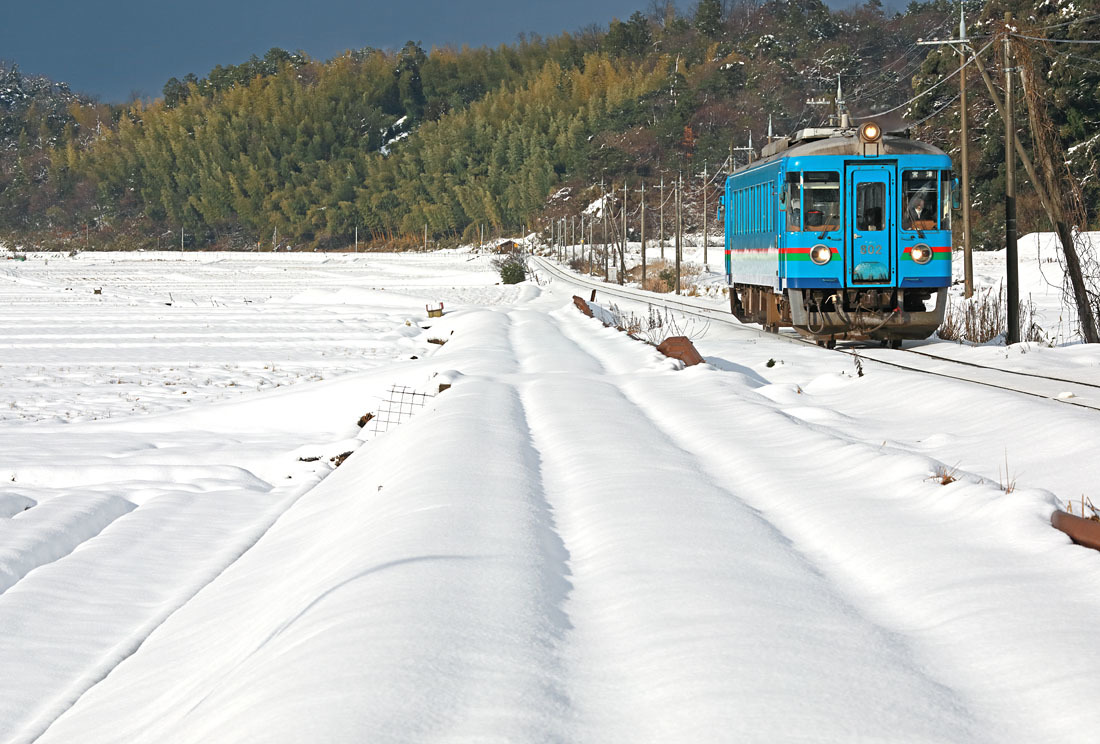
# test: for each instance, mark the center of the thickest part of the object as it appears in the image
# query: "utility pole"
(1013, 273)
(603, 222)
(661, 232)
(425, 237)
(964, 136)
(706, 214)
(582, 236)
(572, 237)
(622, 252)
(643, 234)
(357, 238)
(679, 227)
(591, 243)
(964, 146)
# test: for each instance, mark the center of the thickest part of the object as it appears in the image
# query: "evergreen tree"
(708, 18)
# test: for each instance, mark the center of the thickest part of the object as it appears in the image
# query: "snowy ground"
(579, 541)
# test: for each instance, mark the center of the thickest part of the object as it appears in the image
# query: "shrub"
(512, 268)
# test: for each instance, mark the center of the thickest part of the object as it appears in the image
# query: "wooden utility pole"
(643, 233)
(1012, 257)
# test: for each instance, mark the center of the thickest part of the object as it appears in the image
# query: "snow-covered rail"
(1072, 392)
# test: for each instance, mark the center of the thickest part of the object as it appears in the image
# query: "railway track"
(1058, 389)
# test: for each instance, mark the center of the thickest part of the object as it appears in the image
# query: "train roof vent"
(814, 133)
(775, 147)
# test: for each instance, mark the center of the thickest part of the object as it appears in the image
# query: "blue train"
(843, 233)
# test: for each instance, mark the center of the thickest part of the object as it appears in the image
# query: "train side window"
(919, 199)
(946, 199)
(821, 192)
(870, 206)
(794, 202)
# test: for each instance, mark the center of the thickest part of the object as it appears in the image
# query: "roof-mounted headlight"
(870, 132)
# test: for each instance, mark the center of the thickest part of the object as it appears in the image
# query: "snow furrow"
(437, 586)
(181, 541)
(693, 618)
(922, 560)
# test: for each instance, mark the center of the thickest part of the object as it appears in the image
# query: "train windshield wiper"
(913, 217)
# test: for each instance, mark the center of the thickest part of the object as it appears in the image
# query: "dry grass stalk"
(944, 474)
(984, 317)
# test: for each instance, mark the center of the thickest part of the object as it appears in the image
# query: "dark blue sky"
(114, 48)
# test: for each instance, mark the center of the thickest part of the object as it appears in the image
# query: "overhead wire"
(1056, 41)
(1070, 23)
(936, 85)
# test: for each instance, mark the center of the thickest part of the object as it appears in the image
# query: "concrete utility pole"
(622, 252)
(591, 243)
(643, 233)
(603, 221)
(964, 136)
(582, 236)
(706, 215)
(961, 45)
(564, 240)
(1013, 277)
(679, 227)
(661, 232)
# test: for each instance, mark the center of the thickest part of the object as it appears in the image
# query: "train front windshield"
(919, 199)
(814, 201)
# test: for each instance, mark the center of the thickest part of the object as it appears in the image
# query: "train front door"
(870, 218)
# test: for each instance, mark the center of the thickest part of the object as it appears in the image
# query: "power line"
(1057, 41)
(1070, 23)
(932, 88)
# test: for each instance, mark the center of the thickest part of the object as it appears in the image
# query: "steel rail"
(726, 318)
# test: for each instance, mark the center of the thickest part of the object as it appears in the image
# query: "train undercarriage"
(884, 314)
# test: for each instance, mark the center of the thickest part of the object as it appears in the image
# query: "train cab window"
(870, 206)
(946, 185)
(919, 199)
(821, 200)
(794, 202)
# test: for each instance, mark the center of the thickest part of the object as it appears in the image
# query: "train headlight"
(870, 132)
(821, 254)
(922, 254)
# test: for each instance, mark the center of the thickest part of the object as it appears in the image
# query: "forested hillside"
(305, 153)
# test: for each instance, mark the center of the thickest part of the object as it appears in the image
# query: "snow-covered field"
(578, 541)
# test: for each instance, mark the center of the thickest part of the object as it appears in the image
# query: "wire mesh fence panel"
(399, 405)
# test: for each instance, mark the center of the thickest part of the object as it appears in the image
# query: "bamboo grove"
(387, 145)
